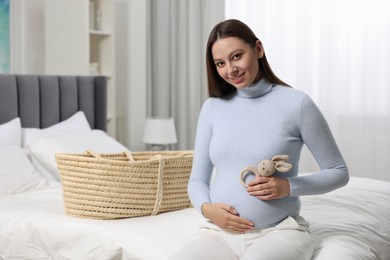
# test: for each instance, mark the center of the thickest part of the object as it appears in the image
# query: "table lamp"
(159, 133)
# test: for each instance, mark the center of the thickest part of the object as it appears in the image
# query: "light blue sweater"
(256, 123)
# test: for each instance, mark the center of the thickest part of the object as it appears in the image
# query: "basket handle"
(161, 166)
(129, 155)
(96, 155)
(160, 177)
(186, 154)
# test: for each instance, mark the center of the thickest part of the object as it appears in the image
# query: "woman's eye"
(237, 56)
(219, 64)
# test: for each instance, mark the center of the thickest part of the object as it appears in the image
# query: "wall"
(27, 57)
(27, 36)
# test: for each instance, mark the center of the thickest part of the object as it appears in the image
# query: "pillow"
(17, 173)
(77, 123)
(11, 133)
(44, 150)
(41, 169)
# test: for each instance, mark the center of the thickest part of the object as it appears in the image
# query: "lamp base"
(159, 147)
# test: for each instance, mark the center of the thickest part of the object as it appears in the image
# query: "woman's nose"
(232, 69)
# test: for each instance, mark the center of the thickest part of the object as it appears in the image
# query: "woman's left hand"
(269, 188)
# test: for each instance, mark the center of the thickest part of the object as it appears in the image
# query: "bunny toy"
(267, 168)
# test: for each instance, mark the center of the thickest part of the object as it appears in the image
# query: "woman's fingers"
(238, 224)
(267, 188)
(230, 209)
(226, 217)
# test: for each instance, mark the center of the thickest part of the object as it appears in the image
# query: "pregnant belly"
(262, 213)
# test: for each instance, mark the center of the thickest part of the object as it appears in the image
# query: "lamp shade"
(159, 131)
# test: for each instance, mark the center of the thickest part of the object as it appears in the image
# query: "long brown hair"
(217, 86)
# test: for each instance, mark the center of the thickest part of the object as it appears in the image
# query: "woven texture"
(110, 186)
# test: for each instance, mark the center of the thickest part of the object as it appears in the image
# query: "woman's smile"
(238, 79)
(236, 61)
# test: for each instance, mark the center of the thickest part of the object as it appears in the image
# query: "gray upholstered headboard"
(44, 100)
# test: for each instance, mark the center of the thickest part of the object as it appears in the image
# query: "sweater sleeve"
(202, 167)
(317, 136)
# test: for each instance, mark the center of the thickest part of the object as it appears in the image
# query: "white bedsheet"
(350, 223)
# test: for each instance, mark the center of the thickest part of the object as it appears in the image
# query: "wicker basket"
(110, 186)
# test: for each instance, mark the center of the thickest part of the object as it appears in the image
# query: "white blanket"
(350, 223)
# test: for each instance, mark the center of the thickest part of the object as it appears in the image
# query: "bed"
(42, 115)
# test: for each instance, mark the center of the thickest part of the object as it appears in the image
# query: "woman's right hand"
(226, 217)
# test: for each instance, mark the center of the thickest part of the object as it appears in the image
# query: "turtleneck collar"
(255, 90)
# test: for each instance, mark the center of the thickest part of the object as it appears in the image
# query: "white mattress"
(349, 223)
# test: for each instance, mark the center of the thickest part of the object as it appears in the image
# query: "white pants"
(291, 239)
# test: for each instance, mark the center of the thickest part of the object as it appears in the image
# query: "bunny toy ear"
(280, 163)
(280, 158)
(283, 166)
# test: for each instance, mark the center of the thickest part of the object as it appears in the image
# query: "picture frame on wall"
(5, 48)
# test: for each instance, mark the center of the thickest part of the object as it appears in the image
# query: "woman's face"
(236, 61)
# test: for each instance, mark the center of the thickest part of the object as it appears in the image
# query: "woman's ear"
(259, 49)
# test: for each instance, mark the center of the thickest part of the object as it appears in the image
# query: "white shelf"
(72, 51)
(99, 33)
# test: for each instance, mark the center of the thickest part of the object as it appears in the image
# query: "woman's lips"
(238, 79)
